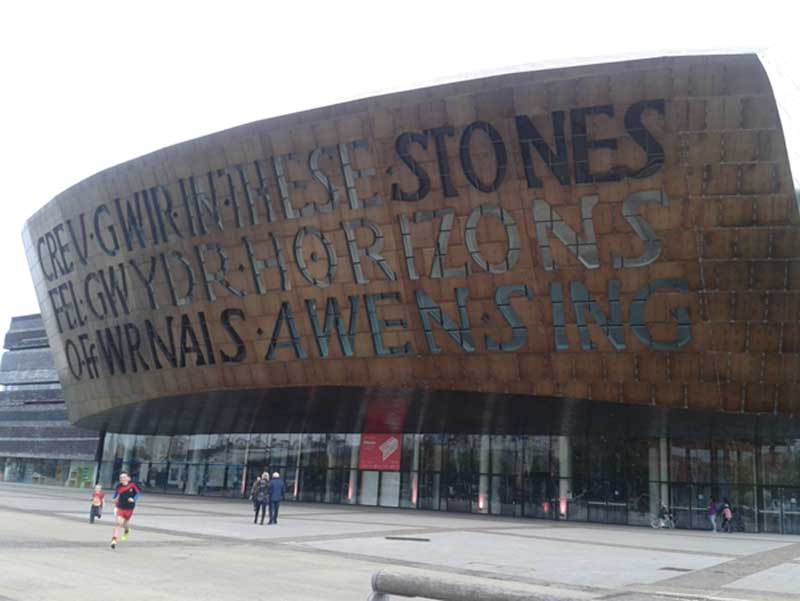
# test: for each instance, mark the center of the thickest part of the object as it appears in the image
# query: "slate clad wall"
(624, 232)
(33, 416)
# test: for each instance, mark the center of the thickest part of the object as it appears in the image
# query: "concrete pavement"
(207, 548)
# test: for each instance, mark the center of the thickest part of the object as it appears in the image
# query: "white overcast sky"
(86, 85)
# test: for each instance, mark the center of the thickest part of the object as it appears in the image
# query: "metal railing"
(385, 584)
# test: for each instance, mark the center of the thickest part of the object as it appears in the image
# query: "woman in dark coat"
(260, 496)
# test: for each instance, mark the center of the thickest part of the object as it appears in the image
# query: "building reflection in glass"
(602, 474)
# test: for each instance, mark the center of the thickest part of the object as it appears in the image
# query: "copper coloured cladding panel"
(624, 233)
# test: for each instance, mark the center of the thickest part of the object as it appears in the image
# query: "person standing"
(276, 492)
(125, 498)
(260, 496)
(98, 502)
(712, 514)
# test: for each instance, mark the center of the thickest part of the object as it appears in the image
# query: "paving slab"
(784, 578)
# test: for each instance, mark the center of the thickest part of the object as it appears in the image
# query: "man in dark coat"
(276, 491)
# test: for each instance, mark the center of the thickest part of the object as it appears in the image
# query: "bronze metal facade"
(624, 233)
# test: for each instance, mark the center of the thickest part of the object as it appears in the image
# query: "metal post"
(98, 456)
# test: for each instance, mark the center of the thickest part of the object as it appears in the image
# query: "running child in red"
(98, 502)
(125, 498)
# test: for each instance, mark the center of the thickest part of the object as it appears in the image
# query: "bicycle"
(665, 522)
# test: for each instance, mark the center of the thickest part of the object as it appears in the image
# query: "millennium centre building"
(569, 294)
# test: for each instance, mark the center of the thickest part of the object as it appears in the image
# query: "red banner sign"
(380, 452)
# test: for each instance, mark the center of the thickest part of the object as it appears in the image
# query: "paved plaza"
(204, 548)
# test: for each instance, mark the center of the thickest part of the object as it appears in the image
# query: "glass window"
(158, 448)
(237, 447)
(353, 445)
(235, 483)
(258, 451)
(338, 451)
(109, 446)
(177, 475)
(432, 450)
(409, 459)
(507, 454)
(735, 462)
(429, 490)
(157, 476)
(336, 485)
(690, 461)
(537, 454)
(461, 455)
(142, 447)
(314, 451)
(780, 462)
(390, 489)
(312, 484)
(214, 479)
(278, 451)
(106, 474)
(216, 449)
(124, 447)
(179, 448)
(409, 489)
(368, 490)
(194, 478)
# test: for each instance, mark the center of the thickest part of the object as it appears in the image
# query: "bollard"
(407, 585)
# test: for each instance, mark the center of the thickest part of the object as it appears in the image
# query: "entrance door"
(461, 490)
(541, 496)
(681, 505)
(507, 496)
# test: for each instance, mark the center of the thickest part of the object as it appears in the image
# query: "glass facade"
(596, 476)
(59, 472)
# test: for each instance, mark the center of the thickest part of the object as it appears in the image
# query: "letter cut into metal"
(204, 203)
(300, 259)
(373, 251)
(285, 316)
(429, 312)
(218, 276)
(408, 246)
(512, 238)
(376, 324)
(438, 270)
(178, 301)
(681, 315)
(613, 327)
(652, 245)
(333, 318)
(278, 168)
(519, 333)
(323, 178)
(560, 339)
(257, 266)
(350, 175)
(584, 248)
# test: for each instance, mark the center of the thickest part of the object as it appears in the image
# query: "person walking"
(712, 514)
(260, 496)
(98, 502)
(727, 516)
(276, 491)
(125, 498)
